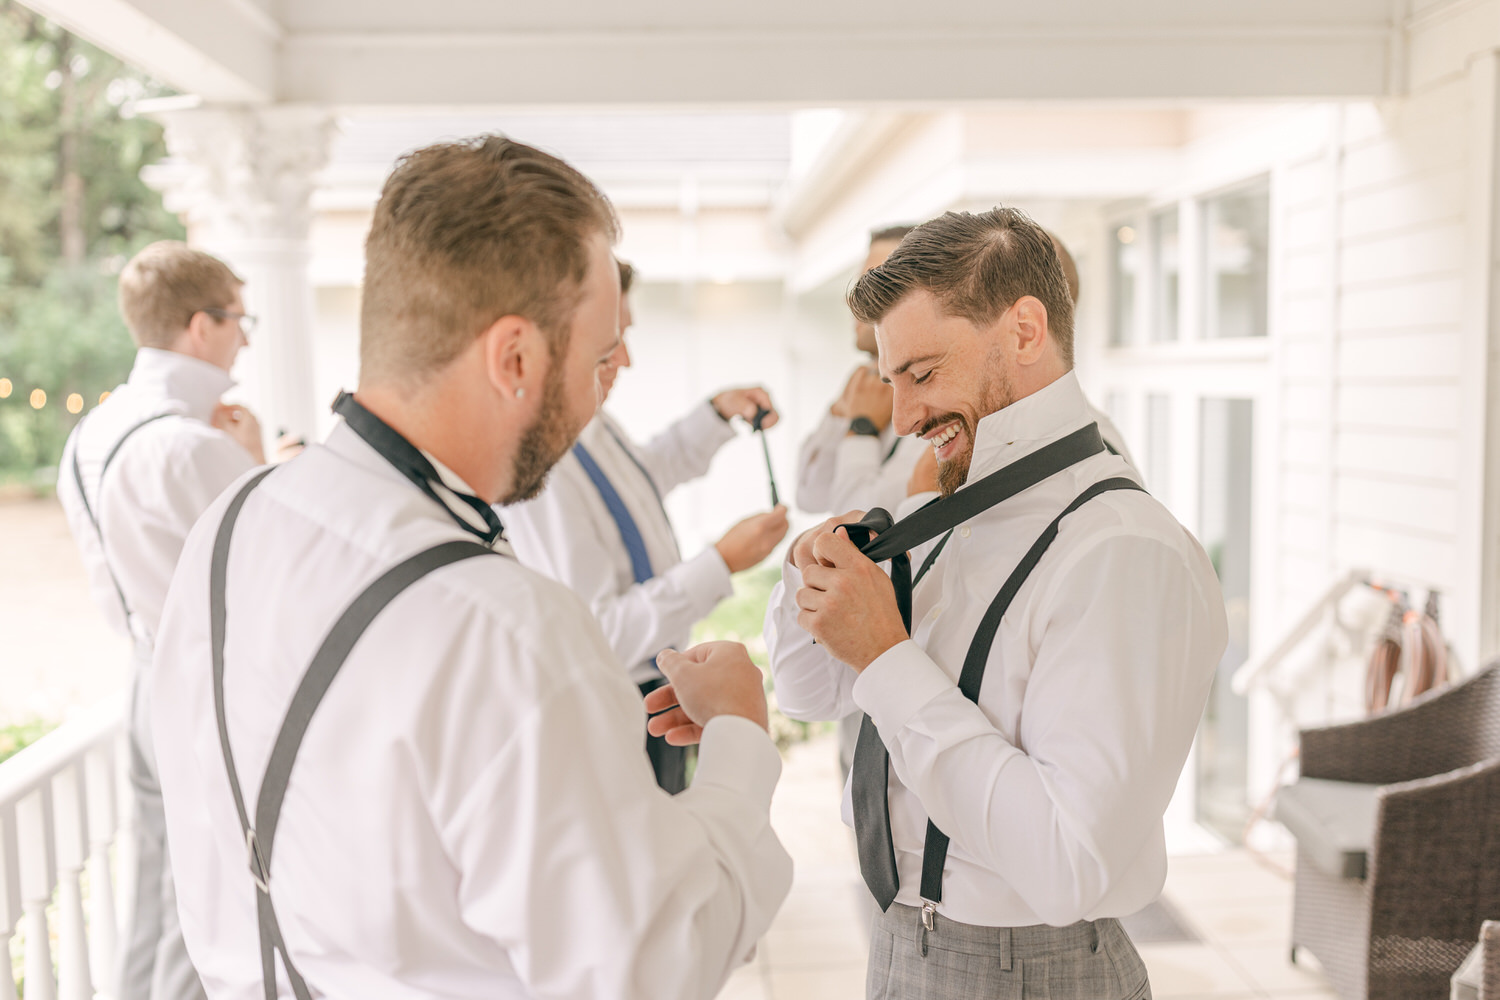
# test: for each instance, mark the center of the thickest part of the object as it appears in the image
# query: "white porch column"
(243, 178)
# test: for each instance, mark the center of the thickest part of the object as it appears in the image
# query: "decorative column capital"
(237, 173)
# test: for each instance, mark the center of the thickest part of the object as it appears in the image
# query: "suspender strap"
(88, 508)
(330, 658)
(869, 779)
(932, 558)
(971, 678)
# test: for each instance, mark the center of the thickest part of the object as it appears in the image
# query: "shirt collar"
(1025, 425)
(342, 440)
(197, 384)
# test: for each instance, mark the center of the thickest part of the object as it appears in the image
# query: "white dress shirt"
(470, 815)
(161, 480)
(838, 471)
(1053, 787)
(567, 533)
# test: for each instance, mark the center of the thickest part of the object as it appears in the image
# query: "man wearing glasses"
(136, 473)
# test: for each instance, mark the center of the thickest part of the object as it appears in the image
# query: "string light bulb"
(103, 395)
(5, 388)
(38, 399)
(75, 403)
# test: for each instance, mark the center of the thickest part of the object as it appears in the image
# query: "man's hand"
(866, 396)
(802, 548)
(240, 424)
(924, 478)
(750, 541)
(709, 680)
(847, 603)
(287, 447)
(746, 403)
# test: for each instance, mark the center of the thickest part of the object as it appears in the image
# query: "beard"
(995, 394)
(543, 443)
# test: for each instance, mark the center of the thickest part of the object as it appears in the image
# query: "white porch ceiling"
(468, 53)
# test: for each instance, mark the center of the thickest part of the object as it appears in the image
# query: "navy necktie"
(635, 545)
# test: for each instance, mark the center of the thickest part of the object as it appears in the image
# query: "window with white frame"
(1236, 230)
(1185, 378)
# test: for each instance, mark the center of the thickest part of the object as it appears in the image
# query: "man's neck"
(435, 421)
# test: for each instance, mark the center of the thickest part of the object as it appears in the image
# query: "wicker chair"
(1432, 872)
(1479, 977)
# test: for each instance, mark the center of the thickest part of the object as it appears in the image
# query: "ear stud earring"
(520, 393)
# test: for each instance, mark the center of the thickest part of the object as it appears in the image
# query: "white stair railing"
(59, 816)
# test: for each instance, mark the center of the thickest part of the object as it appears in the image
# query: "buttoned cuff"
(706, 576)
(709, 423)
(897, 685)
(736, 754)
(863, 447)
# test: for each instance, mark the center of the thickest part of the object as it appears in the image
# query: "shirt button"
(963, 532)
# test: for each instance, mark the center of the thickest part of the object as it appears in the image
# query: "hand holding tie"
(709, 680)
(745, 403)
(846, 603)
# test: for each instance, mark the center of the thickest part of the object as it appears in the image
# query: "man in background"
(854, 458)
(136, 473)
(600, 528)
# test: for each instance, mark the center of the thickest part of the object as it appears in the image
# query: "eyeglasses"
(246, 321)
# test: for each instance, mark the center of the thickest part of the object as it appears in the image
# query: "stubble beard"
(995, 394)
(546, 441)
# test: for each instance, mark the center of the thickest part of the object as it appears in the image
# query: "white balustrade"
(60, 817)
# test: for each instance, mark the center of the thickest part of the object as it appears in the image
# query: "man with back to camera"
(600, 527)
(401, 764)
(135, 475)
(1031, 702)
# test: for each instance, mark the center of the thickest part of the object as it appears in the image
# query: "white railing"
(1314, 672)
(59, 816)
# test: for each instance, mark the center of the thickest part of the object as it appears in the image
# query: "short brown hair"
(165, 284)
(464, 233)
(977, 266)
(1070, 268)
(889, 234)
(627, 276)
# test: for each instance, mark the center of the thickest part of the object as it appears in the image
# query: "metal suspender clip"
(929, 914)
(258, 870)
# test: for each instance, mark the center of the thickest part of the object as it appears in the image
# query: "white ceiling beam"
(799, 67)
(221, 50)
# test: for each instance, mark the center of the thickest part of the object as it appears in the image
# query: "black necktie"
(411, 463)
(871, 768)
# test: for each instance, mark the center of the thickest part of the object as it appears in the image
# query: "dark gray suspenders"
(88, 508)
(337, 644)
(971, 677)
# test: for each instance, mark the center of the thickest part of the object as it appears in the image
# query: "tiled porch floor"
(816, 950)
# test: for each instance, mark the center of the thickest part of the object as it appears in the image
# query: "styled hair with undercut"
(465, 233)
(165, 284)
(977, 265)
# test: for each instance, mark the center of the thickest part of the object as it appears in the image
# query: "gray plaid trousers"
(1087, 961)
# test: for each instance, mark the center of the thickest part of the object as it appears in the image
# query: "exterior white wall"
(1375, 435)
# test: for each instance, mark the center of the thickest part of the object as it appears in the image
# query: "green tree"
(72, 210)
